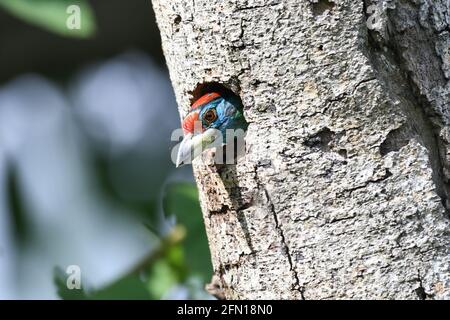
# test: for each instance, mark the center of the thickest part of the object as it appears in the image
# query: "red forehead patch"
(189, 122)
(205, 99)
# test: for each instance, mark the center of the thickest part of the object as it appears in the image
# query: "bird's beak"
(193, 145)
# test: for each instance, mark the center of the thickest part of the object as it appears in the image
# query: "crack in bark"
(286, 247)
(386, 175)
(342, 219)
(237, 264)
(315, 113)
(339, 98)
(244, 226)
(296, 286)
(361, 83)
(420, 291)
(258, 7)
(224, 209)
(238, 205)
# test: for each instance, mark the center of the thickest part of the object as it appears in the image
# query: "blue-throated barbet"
(210, 118)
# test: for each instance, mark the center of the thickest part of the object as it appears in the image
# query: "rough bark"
(343, 190)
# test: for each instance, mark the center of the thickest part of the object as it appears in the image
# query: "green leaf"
(161, 279)
(182, 201)
(53, 15)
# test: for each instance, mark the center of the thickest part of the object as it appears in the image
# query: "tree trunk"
(342, 192)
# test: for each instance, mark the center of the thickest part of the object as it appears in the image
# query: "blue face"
(222, 114)
(213, 111)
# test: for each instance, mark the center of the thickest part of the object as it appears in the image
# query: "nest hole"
(208, 87)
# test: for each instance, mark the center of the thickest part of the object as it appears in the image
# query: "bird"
(207, 124)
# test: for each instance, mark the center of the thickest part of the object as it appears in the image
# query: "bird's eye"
(210, 116)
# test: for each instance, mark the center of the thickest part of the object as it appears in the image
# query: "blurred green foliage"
(52, 15)
(182, 200)
(181, 256)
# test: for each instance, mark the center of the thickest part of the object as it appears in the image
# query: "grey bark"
(342, 192)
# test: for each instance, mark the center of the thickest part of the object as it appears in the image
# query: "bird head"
(207, 124)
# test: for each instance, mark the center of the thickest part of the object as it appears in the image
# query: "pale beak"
(193, 145)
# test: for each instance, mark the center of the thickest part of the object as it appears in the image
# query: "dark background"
(122, 25)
